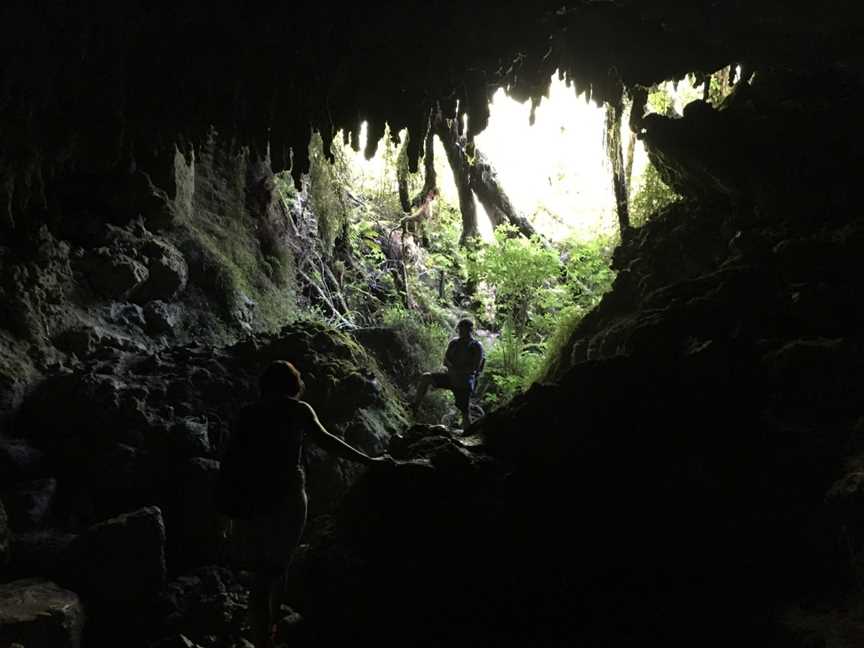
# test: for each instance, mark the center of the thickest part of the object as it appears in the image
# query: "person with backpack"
(261, 486)
(463, 360)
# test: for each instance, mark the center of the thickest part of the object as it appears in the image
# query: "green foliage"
(526, 289)
(651, 196)
(588, 273)
(426, 340)
(589, 277)
(510, 367)
(327, 184)
(660, 102)
(521, 272)
(523, 277)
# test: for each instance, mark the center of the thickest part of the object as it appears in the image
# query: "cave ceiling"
(94, 85)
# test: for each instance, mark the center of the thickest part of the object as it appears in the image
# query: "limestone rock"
(161, 318)
(144, 427)
(206, 601)
(45, 552)
(167, 272)
(19, 461)
(87, 339)
(29, 503)
(36, 612)
(129, 316)
(113, 275)
(123, 559)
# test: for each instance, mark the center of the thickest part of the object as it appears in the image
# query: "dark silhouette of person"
(262, 486)
(463, 361)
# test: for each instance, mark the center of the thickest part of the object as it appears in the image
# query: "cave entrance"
(552, 161)
(380, 253)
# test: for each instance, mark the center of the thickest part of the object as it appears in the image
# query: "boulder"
(126, 315)
(204, 602)
(168, 272)
(36, 612)
(19, 461)
(161, 318)
(29, 503)
(137, 429)
(122, 560)
(45, 552)
(112, 274)
(86, 339)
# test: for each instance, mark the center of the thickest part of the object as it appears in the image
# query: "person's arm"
(448, 362)
(333, 444)
(476, 357)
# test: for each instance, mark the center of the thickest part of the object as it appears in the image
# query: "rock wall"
(124, 265)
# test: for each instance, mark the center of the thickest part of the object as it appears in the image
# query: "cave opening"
(668, 446)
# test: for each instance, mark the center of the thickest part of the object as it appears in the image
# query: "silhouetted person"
(262, 486)
(463, 360)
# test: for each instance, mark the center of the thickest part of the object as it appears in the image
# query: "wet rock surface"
(137, 429)
(36, 612)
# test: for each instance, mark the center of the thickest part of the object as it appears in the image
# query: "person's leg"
(422, 387)
(462, 398)
(261, 613)
(276, 590)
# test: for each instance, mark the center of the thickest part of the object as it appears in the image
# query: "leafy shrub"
(652, 196)
(426, 340)
(522, 273)
(327, 184)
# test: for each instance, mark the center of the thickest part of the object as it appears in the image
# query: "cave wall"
(93, 87)
(693, 465)
(125, 265)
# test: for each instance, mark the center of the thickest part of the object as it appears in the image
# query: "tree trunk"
(430, 179)
(484, 182)
(619, 184)
(628, 171)
(459, 164)
(402, 176)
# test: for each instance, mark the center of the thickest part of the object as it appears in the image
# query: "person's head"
(432, 195)
(281, 378)
(465, 327)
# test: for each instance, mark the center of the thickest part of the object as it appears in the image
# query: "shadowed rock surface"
(36, 612)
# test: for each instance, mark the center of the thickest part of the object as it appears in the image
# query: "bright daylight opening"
(557, 171)
(394, 254)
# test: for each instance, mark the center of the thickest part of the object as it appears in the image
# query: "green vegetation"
(227, 243)
(327, 190)
(651, 197)
(518, 290)
(540, 295)
(527, 296)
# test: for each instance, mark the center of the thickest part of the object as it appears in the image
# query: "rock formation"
(691, 472)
